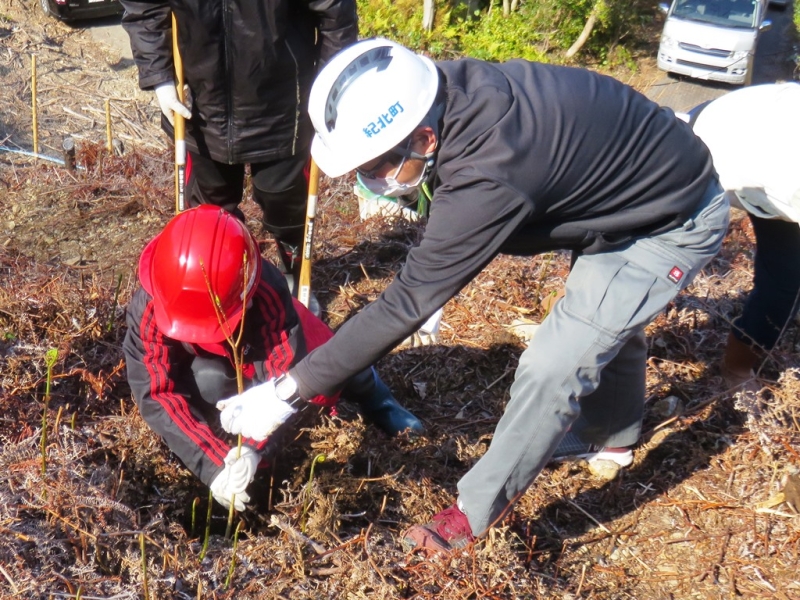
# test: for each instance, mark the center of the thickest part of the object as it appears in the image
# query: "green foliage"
(499, 38)
(539, 30)
(796, 6)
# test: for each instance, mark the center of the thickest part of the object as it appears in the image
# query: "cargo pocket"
(613, 295)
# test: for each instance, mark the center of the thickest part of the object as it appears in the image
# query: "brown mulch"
(698, 515)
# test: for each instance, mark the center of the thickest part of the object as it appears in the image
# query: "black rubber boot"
(290, 262)
(377, 405)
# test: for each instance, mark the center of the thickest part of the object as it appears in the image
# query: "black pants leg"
(281, 190)
(776, 283)
(211, 182)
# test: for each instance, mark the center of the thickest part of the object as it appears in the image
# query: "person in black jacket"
(180, 361)
(522, 158)
(248, 66)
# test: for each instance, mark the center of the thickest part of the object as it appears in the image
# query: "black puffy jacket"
(249, 64)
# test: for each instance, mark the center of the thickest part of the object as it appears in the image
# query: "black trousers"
(776, 283)
(280, 188)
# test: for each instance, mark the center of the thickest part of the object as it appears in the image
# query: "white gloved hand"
(255, 413)
(167, 97)
(235, 477)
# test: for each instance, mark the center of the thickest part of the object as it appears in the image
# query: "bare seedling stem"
(238, 356)
(34, 106)
(144, 567)
(109, 143)
(50, 359)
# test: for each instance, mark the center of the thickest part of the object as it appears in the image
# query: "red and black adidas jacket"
(279, 331)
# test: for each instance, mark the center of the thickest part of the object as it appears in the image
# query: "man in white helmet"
(523, 158)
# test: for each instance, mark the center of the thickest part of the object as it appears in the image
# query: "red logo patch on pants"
(675, 275)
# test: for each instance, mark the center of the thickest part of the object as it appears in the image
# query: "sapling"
(238, 355)
(50, 359)
(114, 304)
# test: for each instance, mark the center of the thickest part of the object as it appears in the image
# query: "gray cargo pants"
(592, 347)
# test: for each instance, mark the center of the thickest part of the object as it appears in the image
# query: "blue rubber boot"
(377, 405)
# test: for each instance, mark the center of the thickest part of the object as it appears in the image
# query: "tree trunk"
(428, 12)
(587, 31)
(506, 8)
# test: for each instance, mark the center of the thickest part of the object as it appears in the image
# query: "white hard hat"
(367, 100)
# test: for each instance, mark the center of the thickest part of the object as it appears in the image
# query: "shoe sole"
(622, 459)
(420, 537)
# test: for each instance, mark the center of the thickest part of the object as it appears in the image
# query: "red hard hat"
(202, 251)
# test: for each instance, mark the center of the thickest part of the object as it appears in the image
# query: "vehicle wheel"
(45, 4)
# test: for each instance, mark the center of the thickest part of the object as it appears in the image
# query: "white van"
(712, 39)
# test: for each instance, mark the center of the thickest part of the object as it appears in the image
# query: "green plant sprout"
(306, 501)
(233, 555)
(50, 359)
(207, 533)
(194, 513)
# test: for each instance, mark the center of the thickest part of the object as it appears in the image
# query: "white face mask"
(390, 187)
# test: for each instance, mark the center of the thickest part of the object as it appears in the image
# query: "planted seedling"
(50, 359)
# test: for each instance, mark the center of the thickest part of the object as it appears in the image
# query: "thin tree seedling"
(238, 356)
(114, 304)
(50, 359)
(144, 567)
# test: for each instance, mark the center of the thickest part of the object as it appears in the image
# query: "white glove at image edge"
(255, 413)
(235, 477)
(168, 101)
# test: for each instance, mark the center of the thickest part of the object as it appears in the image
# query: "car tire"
(45, 5)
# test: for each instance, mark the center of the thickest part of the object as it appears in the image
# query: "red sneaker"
(448, 531)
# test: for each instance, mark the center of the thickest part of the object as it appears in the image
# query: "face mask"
(390, 187)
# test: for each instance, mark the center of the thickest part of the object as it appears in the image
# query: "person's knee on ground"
(377, 404)
(213, 379)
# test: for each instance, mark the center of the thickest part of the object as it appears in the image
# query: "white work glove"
(427, 334)
(168, 101)
(255, 413)
(235, 477)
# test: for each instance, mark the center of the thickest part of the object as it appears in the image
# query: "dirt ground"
(109, 513)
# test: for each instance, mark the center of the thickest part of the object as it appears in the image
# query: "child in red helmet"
(203, 285)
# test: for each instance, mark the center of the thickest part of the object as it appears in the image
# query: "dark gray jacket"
(532, 157)
(249, 64)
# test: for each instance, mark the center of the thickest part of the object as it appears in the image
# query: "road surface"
(773, 62)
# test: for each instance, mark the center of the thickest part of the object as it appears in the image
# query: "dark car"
(69, 10)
